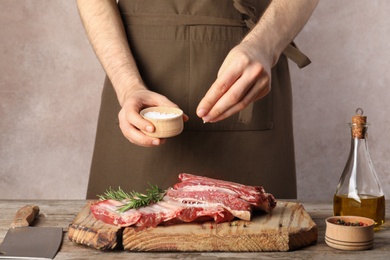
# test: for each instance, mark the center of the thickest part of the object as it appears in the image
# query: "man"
(222, 62)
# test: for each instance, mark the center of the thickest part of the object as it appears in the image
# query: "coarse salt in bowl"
(168, 121)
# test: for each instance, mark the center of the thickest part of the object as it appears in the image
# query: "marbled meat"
(194, 199)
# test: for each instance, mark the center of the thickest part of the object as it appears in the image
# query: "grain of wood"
(287, 227)
(87, 230)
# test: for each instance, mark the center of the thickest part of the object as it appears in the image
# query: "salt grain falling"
(158, 115)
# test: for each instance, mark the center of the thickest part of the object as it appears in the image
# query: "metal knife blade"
(25, 242)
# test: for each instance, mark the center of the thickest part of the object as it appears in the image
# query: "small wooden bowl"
(168, 121)
(349, 237)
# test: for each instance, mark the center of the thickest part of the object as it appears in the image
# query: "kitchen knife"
(23, 241)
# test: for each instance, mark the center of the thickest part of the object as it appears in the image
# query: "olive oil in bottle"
(369, 207)
(359, 192)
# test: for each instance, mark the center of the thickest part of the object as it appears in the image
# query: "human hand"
(130, 121)
(243, 78)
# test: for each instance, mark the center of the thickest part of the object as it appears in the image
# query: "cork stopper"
(359, 124)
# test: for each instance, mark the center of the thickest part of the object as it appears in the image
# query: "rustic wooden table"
(61, 213)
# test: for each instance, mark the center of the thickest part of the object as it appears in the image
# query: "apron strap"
(291, 51)
(294, 54)
(178, 19)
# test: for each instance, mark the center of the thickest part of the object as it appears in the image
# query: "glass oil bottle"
(359, 192)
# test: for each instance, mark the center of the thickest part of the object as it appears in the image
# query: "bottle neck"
(359, 131)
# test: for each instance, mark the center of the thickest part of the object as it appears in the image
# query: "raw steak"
(194, 199)
(254, 195)
(206, 198)
(168, 211)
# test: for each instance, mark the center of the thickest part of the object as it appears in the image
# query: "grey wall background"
(50, 84)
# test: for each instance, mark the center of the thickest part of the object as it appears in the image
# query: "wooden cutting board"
(287, 227)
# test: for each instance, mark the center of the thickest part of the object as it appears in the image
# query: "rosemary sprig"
(134, 200)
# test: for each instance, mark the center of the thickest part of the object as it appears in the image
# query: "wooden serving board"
(287, 227)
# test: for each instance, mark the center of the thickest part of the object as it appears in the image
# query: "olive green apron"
(179, 46)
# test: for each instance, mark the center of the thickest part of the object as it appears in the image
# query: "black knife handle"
(25, 216)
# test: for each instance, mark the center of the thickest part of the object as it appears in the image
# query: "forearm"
(105, 31)
(279, 25)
